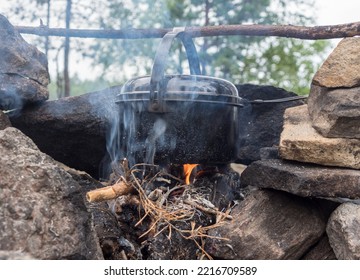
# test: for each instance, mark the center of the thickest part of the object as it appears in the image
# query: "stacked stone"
(320, 148)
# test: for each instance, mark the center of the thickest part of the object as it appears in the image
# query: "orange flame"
(187, 172)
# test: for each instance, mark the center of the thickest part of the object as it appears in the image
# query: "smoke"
(155, 134)
(10, 100)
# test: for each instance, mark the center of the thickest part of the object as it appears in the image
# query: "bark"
(289, 31)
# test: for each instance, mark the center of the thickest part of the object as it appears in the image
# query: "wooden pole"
(289, 31)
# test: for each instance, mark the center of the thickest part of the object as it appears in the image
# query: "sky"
(338, 11)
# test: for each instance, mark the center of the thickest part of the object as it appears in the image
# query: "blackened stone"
(260, 124)
(72, 130)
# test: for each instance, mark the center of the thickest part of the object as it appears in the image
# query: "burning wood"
(109, 192)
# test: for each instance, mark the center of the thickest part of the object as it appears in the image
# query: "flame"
(187, 172)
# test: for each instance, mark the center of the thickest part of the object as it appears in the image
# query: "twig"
(289, 31)
(109, 192)
(207, 210)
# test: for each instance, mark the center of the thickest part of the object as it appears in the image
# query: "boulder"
(343, 230)
(4, 120)
(342, 67)
(42, 209)
(260, 124)
(73, 130)
(24, 73)
(301, 142)
(268, 224)
(335, 112)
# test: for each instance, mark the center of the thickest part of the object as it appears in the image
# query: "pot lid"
(185, 88)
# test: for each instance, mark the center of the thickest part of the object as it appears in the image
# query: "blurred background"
(81, 65)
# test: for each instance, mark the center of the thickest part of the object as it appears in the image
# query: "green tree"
(287, 63)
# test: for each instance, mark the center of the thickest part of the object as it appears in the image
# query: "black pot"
(178, 118)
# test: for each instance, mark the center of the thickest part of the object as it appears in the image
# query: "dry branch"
(289, 31)
(109, 192)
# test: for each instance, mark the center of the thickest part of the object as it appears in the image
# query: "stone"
(321, 251)
(342, 67)
(343, 230)
(299, 141)
(73, 130)
(260, 124)
(335, 112)
(4, 120)
(270, 225)
(24, 75)
(15, 255)
(307, 180)
(42, 209)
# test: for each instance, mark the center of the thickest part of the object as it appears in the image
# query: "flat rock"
(268, 224)
(343, 230)
(301, 142)
(342, 67)
(303, 179)
(24, 73)
(335, 112)
(4, 120)
(43, 212)
(72, 130)
(260, 124)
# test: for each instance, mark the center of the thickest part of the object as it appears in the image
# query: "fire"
(187, 172)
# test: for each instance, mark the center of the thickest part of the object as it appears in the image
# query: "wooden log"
(109, 192)
(289, 31)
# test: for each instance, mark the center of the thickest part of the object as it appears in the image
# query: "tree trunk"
(205, 45)
(47, 41)
(67, 50)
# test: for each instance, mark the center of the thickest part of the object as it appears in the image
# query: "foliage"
(287, 63)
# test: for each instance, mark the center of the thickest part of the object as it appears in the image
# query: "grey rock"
(342, 67)
(343, 230)
(301, 142)
(42, 211)
(268, 224)
(73, 130)
(24, 73)
(303, 179)
(15, 255)
(335, 112)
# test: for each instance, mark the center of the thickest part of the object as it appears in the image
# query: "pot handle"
(157, 74)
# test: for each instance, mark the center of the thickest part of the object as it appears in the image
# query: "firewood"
(109, 192)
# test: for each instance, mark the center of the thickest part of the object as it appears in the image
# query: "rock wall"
(319, 152)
